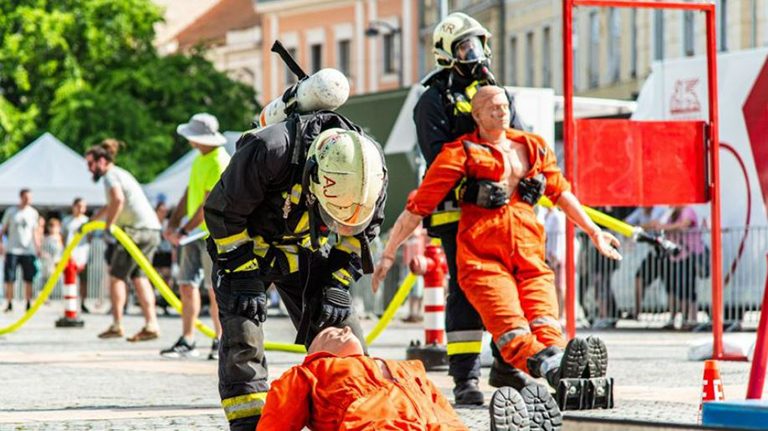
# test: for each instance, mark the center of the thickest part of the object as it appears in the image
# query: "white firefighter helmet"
(345, 173)
(459, 27)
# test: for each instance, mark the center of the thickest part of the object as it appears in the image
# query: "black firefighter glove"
(250, 295)
(531, 189)
(335, 308)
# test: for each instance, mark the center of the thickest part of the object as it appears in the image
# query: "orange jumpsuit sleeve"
(445, 171)
(288, 402)
(556, 182)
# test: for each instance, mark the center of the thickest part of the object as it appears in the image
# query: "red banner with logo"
(640, 163)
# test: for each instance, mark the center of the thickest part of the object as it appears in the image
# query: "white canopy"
(52, 171)
(171, 183)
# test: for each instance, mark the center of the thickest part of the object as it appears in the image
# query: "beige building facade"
(614, 48)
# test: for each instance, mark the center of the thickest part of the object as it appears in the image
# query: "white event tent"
(52, 171)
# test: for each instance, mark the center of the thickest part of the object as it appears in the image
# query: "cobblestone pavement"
(67, 379)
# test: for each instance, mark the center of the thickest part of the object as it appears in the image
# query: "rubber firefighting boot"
(467, 392)
(508, 411)
(502, 374)
(555, 364)
(597, 358)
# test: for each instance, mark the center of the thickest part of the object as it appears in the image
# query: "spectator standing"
(680, 277)
(196, 266)
(128, 208)
(163, 260)
(71, 224)
(647, 218)
(51, 249)
(20, 224)
(554, 226)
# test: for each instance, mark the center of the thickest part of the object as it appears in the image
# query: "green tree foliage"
(86, 70)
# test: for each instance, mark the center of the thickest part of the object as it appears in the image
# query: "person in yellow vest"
(195, 265)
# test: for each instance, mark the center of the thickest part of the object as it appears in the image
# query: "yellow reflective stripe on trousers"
(463, 347)
(231, 242)
(244, 406)
(445, 218)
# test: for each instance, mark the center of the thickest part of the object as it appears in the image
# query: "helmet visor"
(469, 50)
(341, 228)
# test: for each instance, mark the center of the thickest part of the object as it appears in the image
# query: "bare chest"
(516, 164)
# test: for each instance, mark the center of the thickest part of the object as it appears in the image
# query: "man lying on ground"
(338, 387)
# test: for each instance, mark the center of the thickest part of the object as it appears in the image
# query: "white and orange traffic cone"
(712, 385)
(70, 319)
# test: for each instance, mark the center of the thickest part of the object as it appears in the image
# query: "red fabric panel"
(640, 163)
(756, 118)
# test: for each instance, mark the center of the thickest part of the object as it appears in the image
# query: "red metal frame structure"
(714, 147)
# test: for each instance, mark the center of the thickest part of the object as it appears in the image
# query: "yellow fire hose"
(400, 296)
(171, 298)
(600, 218)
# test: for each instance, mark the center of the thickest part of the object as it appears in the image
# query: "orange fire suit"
(500, 256)
(330, 393)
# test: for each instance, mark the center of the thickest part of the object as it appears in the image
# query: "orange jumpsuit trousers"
(332, 393)
(500, 256)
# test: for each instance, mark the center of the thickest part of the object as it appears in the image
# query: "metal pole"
(570, 269)
(760, 359)
(402, 55)
(651, 4)
(714, 157)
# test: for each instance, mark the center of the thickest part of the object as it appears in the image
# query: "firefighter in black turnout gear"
(298, 206)
(442, 114)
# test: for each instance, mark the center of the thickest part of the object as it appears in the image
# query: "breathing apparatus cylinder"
(326, 89)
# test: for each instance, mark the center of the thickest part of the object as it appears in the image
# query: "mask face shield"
(469, 50)
(340, 228)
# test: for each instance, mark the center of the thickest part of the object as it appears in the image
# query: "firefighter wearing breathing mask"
(442, 114)
(297, 207)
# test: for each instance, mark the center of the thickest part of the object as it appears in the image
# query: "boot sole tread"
(509, 411)
(598, 357)
(575, 359)
(542, 408)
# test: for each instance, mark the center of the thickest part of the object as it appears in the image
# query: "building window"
(316, 52)
(513, 73)
(614, 45)
(594, 49)
(342, 56)
(689, 49)
(722, 11)
(529, 55)
(546, 57)
(658, 35)
(290, 78)
(389, 53)
(633, 47)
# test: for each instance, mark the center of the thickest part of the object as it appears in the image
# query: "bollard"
(70, 319)
(433, 267)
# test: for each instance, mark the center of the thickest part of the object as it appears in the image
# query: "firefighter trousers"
(242, 363)
(463, 326)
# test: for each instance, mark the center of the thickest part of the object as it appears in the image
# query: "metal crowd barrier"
(643, 288)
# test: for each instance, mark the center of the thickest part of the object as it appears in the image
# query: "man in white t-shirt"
(71, 224)
(21, 225)
(128, 208)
